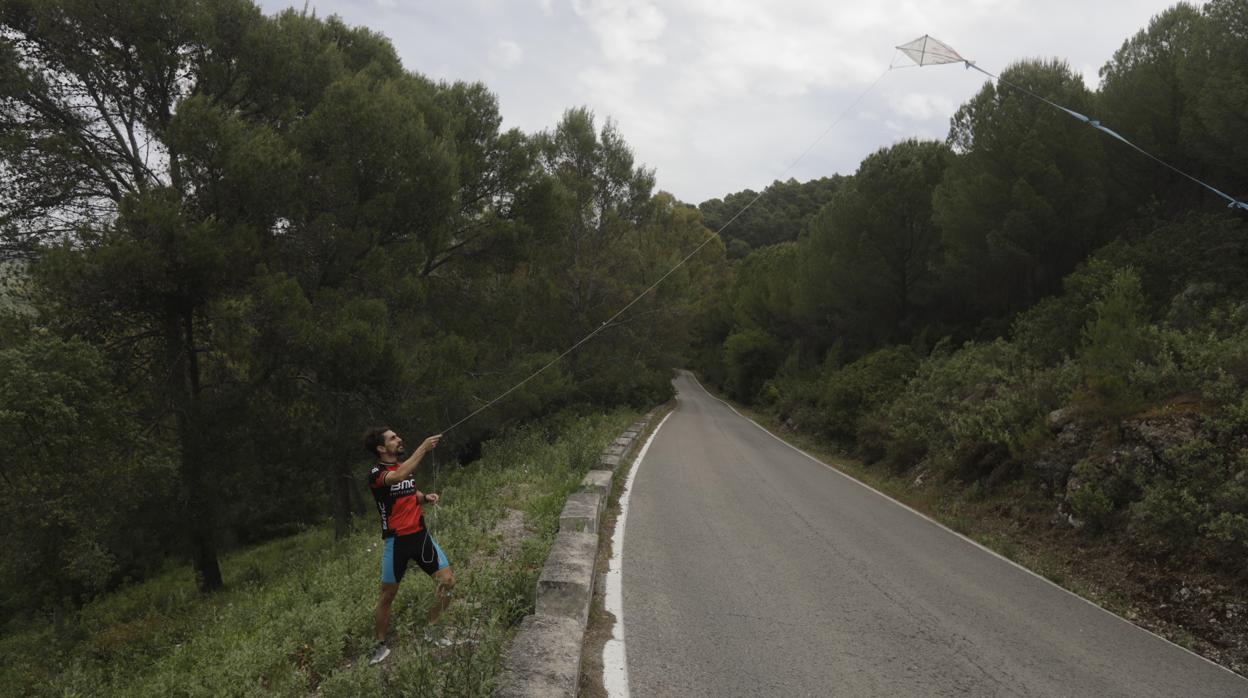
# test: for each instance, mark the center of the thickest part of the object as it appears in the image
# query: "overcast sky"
(722, 95)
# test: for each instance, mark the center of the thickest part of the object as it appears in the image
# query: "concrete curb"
(566, 586)
(598, 482)
(544, 658)
(581, 513)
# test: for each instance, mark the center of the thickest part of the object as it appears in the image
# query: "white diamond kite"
(928, 51)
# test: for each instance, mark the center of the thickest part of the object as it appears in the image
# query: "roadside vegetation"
(231, 242)
(1034, 332)
(296, 613)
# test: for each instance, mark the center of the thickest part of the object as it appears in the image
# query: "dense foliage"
(244, 239)
(747, 220)
(1031, 302)
(313, 592)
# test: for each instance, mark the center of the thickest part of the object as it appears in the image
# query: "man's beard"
(401, 453)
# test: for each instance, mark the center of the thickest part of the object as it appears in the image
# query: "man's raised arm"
(405, 469)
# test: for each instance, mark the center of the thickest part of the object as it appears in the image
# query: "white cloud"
(1091, 76)
(628, 30)
(721, 95)
(506, 54)
(922, 106)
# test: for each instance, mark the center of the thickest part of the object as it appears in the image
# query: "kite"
(926, 50)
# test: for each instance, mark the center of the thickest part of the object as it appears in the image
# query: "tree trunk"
(358, 504)
(341, 475)
(183, 384)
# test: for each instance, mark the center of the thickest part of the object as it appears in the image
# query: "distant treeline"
(1030, 301)
(244, 239)
(748, 220)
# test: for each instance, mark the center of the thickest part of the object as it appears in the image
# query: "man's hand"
(430, 443)
(407, 466)
(431, 498)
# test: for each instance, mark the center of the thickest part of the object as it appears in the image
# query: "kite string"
(1233, 202)
(686, 258)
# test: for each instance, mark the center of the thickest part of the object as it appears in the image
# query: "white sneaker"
(437, 639)
(379, 654)
(447, 638)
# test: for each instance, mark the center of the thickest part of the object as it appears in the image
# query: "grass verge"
(296, 615)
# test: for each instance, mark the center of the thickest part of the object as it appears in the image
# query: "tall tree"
(1024, 201)
(403, 178)
(600, 197)
(1146, 89)
(1217, 126)
(171, 121)
(872, 256)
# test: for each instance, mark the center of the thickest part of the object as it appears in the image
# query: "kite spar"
(926, 50)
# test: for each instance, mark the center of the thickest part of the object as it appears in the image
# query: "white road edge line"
(995, 554)
(614, 658)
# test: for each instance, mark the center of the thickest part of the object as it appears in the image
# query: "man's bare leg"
(382, 625)
(442, 597)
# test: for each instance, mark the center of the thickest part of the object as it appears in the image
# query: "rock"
(1058, 419)
(1160, 433)
(1073, 483)
(1072, 437)
(1062, 516)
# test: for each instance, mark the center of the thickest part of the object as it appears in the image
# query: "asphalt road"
(750, 569)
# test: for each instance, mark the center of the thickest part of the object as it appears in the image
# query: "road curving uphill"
(752, 569)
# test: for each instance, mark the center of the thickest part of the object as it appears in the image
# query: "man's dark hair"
(374, 437)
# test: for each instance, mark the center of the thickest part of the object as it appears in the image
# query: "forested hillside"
(244, 239)
(747, 220)
(1035, 314)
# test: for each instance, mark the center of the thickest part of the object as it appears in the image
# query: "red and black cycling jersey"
(398, 504)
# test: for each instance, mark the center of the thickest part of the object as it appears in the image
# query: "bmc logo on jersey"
(402, 487)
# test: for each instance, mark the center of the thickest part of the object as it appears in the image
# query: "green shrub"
(968, 414)
(1230, 533)
(1050, 330)
(1169, 517)
(750, 358)
(1115, 341)
(88, 508)
(1199, 497)
(1090, 500)
(847, 393)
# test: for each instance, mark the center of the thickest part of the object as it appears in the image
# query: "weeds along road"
(750, 569)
